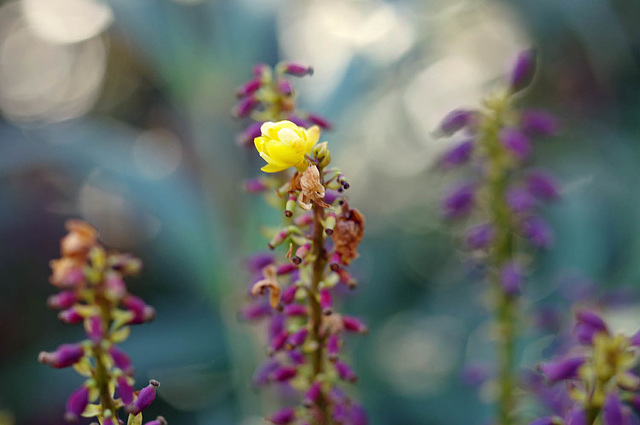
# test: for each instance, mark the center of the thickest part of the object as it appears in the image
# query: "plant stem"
(101, 373)
(319, 263)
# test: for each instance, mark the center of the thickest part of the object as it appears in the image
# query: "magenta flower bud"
(458, 201)
(109, 421)
(141, 311)
(296, 339)
(303, 220)
(278, 341)
(320, 121)
(312, 395)
(283, 417)
(62, 300)
(279, 238)
(76, 403)
(588, 324)
(297, 357)
(330, 196)
(539, 123)
(479, 236)
(333, 347)
(300, 122)
(520, 200)
(346, 278)
(255, 185)
(158, 421)
(542, 185)
(612, 410)
(576, 416)
(70, 316)
(259, 261)
(285, 87)
(145, 398)
(115, 285)
(66, 355)
(334, 261)
(511, 277)
(297, 69)
(516, 142)
(456, 120)
(357, 415)
(246, 137)
(561, 370)
(524, 70)
(95, 329)
(263, 374)
(354, 325)
(249, 87)
(326, 302)
(345, 372)
(125, 390)
(121, 360)
(289, 294)
(537, 231)
(285, 268)
(457, 155)
(245, 106)
(260, 68)
(301, 253)
(284, 373)
(295, 310)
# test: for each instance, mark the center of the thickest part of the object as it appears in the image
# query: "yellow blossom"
(283, 144)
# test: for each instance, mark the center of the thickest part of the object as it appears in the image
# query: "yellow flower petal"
(313, 135)
(273, 168)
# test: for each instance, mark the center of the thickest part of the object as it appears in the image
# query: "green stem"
(101, 373)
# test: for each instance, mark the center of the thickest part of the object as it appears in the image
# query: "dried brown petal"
(311, 189)
(268, 283)
(348, 233)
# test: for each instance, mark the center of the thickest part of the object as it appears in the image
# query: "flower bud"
(333, 347)
(303, 220)
(283, 417)
(346, 278)
(457, 155)
(62, 300)
(158, 421)
(345, 372)
(66, 355)
(510, 277)
(538, 123)
(295, 310)
(94, 326)
(284, 373)
(520, 200)
(295, 69)
(125, 389)
(516, 142)
(524, 70)
(458, 201)
(260, 69)
(297, 357)
(320, 121)
(245, 106)
(71, 316)
(121, 360)
(301, 253)
(115, 286)
(312, 395)
(285, 87)
(290, 206)
(612, 410)
(542, 185)
(537, 231)
(456, 120)
(278, 341)
(298, 338)
(326, 302)
(145, 398)
(249, 87)
(354, 325)
(76, 403)
(588, 324)
(334, 261)
(480, 236)
(141, 311)
(330, 223)
(286, 268)
(280, 237)
(576, 416)
(246, 137)
(263, 374)
(561, 370)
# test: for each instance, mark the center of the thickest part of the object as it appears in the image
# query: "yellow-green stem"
(101, 372)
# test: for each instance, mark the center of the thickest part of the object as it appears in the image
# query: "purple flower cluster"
(598, 378)
(269, 96)
(93, 292)
(498, 144)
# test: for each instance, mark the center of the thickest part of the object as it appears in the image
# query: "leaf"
(135, 420)
(121, 334)
(83, 367)
(91, 410)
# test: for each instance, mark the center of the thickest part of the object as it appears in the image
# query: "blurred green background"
(117, 112)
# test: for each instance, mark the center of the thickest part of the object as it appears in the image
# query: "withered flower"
(348, 233)
(310, 187)
(270, 282)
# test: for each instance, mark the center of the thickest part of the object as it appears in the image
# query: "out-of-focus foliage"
(117, 112)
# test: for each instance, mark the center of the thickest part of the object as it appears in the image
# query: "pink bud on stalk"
(326, 302)
(296, 69)
(66, 355)
(145, 398)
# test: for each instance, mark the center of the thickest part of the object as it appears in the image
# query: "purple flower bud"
(635, 339)
(285, 87)
(259, 261)
(286, 268)
(542, 185)
(612, 410)
(475, 374)
(245, 106)
(313, 394)
(249, 87)
(284, 373)
(64, 299)
(326, 301)
(520, 200)
(457, 155)
(289, 294)
(539, 123)
(70, 316)
(260, 68)
(278, 341)
(125, 390)
(66, 355)
(283, 417)
(357, 415)
(95, 329)
(158, 421)
(320, 121)
(345, 372)
(246, 137)
(141, 311)
(576, 416)
(121, 360)
(330, 196)
(296, 69)
(479, 236)
(354, 325)
(588, 324)
(458, 201)
(333, 347)
(516, 142)
(456, 120)
(524, 70)
(298, 338)
(561, 370)
(295, 310)
(109, 421)
(511, 277)
(263, 374)
(297, 357)
(537, 231)
(145, 398)
(335, 261)
(300, 122)
(76, 403)
(276, 325)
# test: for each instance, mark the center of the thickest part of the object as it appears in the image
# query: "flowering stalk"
(498, 141)
(598, 376)
(93, 292)
(322, 234)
